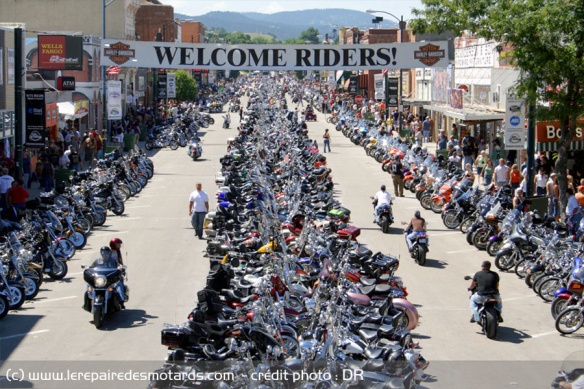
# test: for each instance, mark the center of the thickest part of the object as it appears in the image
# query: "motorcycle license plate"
(423, 240)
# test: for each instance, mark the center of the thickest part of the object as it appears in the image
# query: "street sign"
(358, 99)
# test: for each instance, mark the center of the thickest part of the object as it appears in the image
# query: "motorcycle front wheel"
(58, 270)
(505, 261)
(149, 145)
(480, 239)
(118, 209)
(569, 321)
(78, 239)
(450, 220)
(17, 297)
(493, 247)
(4, 306)
(426, 202)
(558, 306)
(97, 316)
(466, 224)
(173, 145)
(211, 121)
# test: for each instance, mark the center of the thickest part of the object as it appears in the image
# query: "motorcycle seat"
(373, 353)
(383, 278)
(368, 281)
(386, 330)
(368, 290)
(381, 288)
(374, 365)
(368, 335)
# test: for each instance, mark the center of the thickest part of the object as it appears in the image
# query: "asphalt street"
(166, 268)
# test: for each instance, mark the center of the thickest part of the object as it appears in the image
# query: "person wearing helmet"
(417, 224)
(105, 259)
(116, 247)
(397, 175)
(383, 197)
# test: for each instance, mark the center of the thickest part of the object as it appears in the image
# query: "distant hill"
(290, 24)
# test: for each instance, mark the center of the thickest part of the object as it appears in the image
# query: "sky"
(200, 7)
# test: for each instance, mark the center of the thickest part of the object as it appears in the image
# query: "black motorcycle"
(101, 296)
(489, 317)
(385, 217)
(419, 247)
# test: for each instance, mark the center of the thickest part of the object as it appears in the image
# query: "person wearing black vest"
(486, 286)
(397, 175)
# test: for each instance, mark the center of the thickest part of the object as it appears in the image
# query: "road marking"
(128, 218)
(74, 274)
(461, 251)
(139, 206)
(156, 187)
(522, 297)
(21, 335)
(51, 300)
(544, 334)
(109, 233)
(446, 233)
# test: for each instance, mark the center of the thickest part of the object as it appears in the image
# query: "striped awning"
(553, 146)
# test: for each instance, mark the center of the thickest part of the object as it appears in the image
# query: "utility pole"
(19, 131)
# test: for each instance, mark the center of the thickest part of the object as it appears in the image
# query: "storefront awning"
(466, 114)
(68, 110)
(553, 146)
(417, 103)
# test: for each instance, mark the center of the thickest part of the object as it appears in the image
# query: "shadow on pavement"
(511, 335)
(127, 318)
(15, 326)
(435, 263)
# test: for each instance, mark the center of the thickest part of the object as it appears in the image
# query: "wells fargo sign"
(60, 52)
(551, 131)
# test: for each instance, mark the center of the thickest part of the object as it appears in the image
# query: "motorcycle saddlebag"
(349, 232)
(336, 213)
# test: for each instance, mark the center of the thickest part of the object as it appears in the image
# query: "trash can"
(143, 132)
(444, 153)
(539, 204)
(62, 179)
(111, 149)
(129, 141)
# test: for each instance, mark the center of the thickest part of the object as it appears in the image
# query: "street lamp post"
(103, 73)
(402, 27)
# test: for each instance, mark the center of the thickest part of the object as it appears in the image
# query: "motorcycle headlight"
(100, 281)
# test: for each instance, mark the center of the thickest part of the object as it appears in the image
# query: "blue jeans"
(410, 238)
(197, 221)
(327, 143)
(574, 222)
(553, 208)
(48, 183)
(467, 159)
(477, 300)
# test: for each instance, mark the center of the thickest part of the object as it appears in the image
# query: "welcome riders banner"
(171, 55)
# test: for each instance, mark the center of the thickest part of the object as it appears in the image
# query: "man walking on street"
(198, 208)
(397, 175)
(327, 140)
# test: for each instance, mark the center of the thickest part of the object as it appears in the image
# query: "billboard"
(60, 52)
(515, 134)
(171, 85)
(393, 91)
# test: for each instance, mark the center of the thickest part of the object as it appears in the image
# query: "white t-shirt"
(501, 173)
(382, 197)
(541, 180)
(199, 198)
(5, 183)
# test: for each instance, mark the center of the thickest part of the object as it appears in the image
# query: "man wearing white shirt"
(501, 173)
(381, 198)
(198, 208)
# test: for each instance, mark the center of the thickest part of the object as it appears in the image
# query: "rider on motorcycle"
(108, 259)
(417, 224)
(380, 199)
(485, 284)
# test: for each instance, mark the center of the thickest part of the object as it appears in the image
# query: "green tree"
(186, 86)
(309, 35)
(545, 39)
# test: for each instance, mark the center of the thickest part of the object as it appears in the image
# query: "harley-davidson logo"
(429, 54)
(119, 53)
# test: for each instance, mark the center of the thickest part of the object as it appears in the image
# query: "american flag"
(384, 71)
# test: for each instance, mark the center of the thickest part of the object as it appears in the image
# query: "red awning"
(113, 71)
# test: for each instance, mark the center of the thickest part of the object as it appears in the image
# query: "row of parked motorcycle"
(292, 299)
(538, 249)
(55, 225)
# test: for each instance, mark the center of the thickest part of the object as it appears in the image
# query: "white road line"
(522, 297)
(109, 233)
(74, 274)
(51, 300)
(446, 233)
(127, 218)
(21, 335)
(139, 206)
(461, 251)
(545, 334)
(156, 187)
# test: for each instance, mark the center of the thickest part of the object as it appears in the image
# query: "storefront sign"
(551, 131)
(515, 134)
(35, 118)
(353, 85)
(114, 100)
(66, 83)
(173, 55)
(393, 89)
(60, 52)
(456, 98)
(10, 65)
(51, 110)
(379, 87)
(162, 86)
(171, 85)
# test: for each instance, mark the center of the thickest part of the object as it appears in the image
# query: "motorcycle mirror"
(235, 262)
(467, 278)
